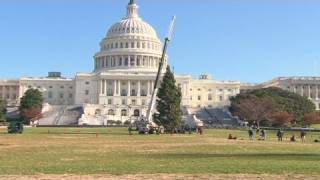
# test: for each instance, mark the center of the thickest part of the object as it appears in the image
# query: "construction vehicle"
(145, 124)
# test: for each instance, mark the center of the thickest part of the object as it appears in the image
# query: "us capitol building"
(121, 83)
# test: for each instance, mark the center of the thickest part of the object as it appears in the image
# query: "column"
(122, 60)
(317, 92)
(101, 87)
(309, 91)
(294, 89)
(139, 88)
(135, 60)
(129, 88)
(129, 61)
(119, 87)
(105, 82)
(152, 86)
(114, 87)
(148, 92)
(301, 92)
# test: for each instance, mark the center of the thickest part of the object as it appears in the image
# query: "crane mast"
(160, 70)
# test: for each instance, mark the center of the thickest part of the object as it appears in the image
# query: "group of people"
(280, 135)
(303, 134)
(263, 134)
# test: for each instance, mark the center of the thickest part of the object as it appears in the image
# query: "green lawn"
(316, 126)
(113, 151)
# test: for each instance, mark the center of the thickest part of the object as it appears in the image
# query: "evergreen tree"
(30, 103)
(168, 103)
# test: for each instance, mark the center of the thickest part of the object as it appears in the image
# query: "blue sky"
(246, 40)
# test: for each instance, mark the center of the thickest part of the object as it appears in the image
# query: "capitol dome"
(132, 25)
(130, 45)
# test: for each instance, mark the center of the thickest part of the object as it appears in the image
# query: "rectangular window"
(126, 62)
(87, 92)
(49, 94)
(132, 61)
(133, 102)
(123, 102)
(120, 62)
(199, 98)
(109, 101)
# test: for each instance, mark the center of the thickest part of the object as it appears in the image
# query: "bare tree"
(254, 109)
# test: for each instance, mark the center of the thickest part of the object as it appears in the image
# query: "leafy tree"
(3, 110)
(283, 101)
(168, 103)
(312, 118)
(287, 101)
(31, 105)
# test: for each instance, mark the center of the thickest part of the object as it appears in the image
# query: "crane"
(160, 69)
(146, 124)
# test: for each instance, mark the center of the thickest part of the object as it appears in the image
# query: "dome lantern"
(132, 9)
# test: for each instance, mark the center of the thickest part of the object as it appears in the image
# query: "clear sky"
(246, 40)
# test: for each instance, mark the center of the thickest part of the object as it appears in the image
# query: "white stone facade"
(122, 81)
(308, 87)
(9, 91)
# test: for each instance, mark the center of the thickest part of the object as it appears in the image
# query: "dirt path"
(166, 177)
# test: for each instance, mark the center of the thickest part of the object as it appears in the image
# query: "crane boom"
(156, 84)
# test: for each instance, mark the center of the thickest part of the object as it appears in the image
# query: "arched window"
(111, 112)
(124, 112)
(210, 97)
(136, 112)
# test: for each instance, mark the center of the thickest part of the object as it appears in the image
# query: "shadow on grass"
(261, 156)
(82, 133)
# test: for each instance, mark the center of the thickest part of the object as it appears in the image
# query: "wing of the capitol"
(125, 69)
